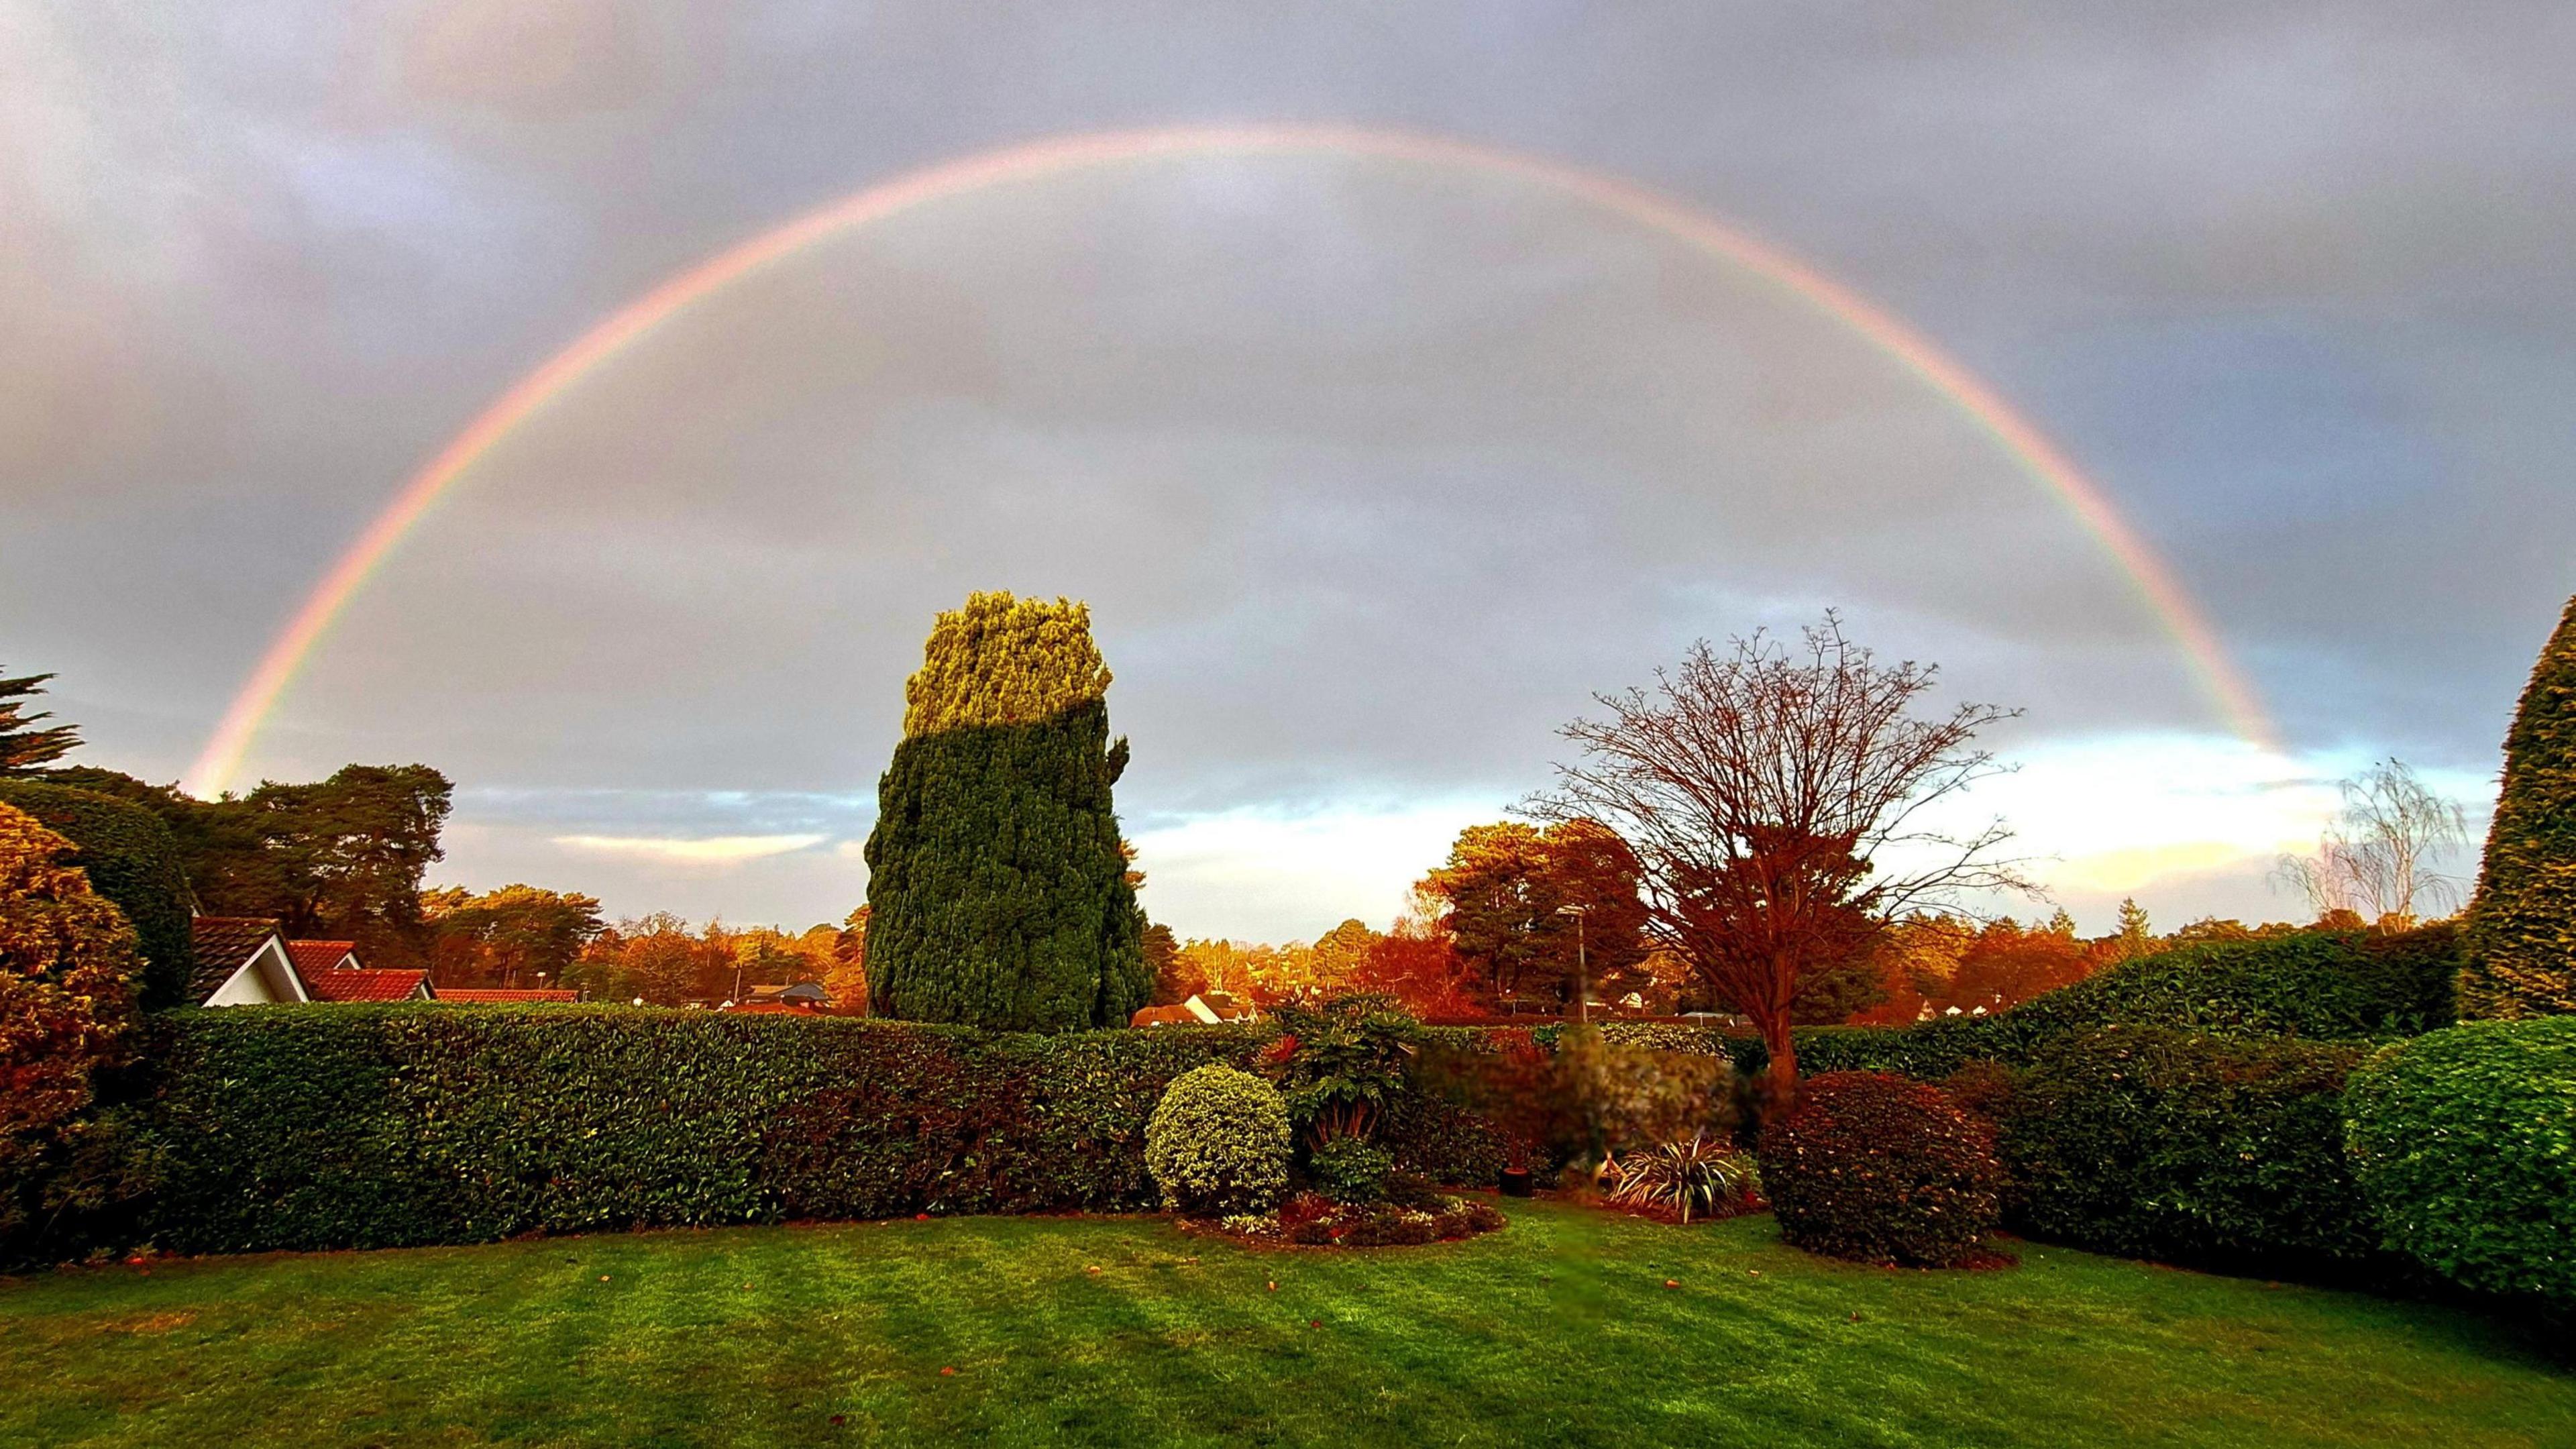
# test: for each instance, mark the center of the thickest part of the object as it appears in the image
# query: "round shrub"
(1350, 1169)
(1218, 1142)
(2464, 1142)
(1879, 1169)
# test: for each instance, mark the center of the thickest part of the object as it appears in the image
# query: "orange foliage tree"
(67, 970)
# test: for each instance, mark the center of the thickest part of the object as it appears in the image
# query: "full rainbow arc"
(2226, 688)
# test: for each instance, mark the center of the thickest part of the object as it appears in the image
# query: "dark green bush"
(2465, 1143)
(1218, 1143)
(1350, 1169)
(1879, 1169)
(132, 860)
(2218, 1152)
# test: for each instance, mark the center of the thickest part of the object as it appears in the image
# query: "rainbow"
(2226, 688)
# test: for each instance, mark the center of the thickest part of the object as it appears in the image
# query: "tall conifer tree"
(2522, 923)
(997, 892)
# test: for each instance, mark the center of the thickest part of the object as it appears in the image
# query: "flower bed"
(1315, 1221)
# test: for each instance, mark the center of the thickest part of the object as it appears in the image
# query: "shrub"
(2522, 921)
(1692, 1176)
(2465, 1143)
(1876, 1168)
(1350, 1169)
(132, 860)
(1341, 1064)
(998, 892)
(2218, 1152)
(67, 967)
(1218, 1143)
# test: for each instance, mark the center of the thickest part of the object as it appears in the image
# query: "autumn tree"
(508, 937)
(24, 747)
(1776, 802)
(2522, 921)
(1417, 964)
(1512, 893)
(847, 978)
(1341, 956)
(2375, 860)
(68, 969)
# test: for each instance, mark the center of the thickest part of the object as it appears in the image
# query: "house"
(807, 994)
(1208, 1008)
(491, 996)
(241, 961)
(332, 972)
(247, 961)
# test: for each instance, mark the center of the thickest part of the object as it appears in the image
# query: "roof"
(363, 985)
(1164, 1016)
(486, 996)
(772, 1007)
(312, 956)
(218, 946)
(799, 991)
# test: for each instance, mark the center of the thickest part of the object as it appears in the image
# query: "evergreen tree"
(23, 746)
(2522, 923)
(2136, 936)
(998, 893)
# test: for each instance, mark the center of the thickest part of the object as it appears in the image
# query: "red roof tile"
(489, 996)
(312, 956)
(363, 985)
(1164, 1016)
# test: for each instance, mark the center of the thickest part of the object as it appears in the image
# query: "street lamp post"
(1582, 967)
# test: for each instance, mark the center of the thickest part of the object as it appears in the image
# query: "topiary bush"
(2218, 1152)
(2464, 1141)
(998, 893)
(130, 858)
(2522, 921)
(1876, 1168)
(1218, 1143)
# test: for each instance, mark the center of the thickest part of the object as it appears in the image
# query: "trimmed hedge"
(2152, 1142)
(132, 860)
(379, 1126)
(2465, 1142)
(369, 1126)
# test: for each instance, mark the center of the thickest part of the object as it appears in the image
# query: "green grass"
(1557, 1330)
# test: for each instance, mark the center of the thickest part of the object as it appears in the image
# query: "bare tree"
(2375, 860)
(1776, 803)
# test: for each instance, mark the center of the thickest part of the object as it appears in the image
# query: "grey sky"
(1370, 474)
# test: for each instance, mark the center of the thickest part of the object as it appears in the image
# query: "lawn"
(1559, 1329)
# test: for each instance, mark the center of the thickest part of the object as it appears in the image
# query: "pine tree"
(23, 746)
(2136, 936)
(2522, 922)
(998, 893)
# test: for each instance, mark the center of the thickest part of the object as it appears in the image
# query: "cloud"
(718, 850)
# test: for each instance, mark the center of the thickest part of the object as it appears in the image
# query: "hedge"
(376, 1126)
(130, 858)
(2153, 1142)
(2465, 1142)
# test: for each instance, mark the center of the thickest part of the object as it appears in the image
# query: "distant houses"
(1207, 1008)
(248, 961)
